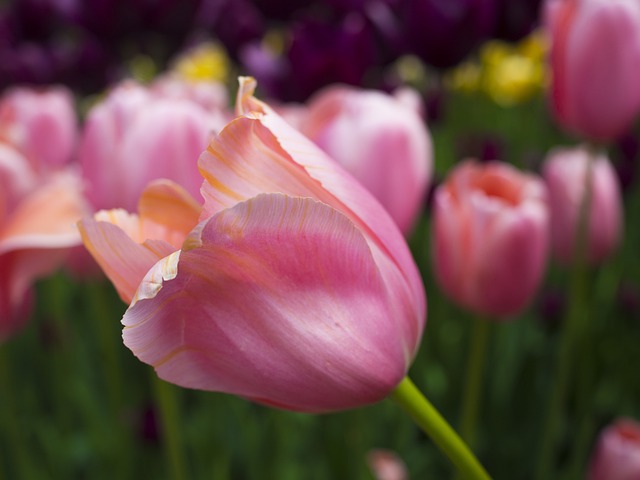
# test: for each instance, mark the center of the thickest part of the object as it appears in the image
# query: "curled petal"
(282, 303)
(260, 153)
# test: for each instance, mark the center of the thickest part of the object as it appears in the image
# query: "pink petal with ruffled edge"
(260, 153)
(281, 302)
(126, 246)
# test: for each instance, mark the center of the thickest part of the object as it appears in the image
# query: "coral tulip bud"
(490, 237)
(617, 452)
(595, 62)
(382, 141)
(295, 289)
(565, 172)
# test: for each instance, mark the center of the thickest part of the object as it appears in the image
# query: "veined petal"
(165, 203)
(261, 153)
(112, 244)
(282, 303)
(126, 245)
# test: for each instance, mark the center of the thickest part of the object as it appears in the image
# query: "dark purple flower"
(516, 19)
(322, 53)
(443, 33)
(236, 23)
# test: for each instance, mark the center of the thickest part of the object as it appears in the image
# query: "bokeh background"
(74, 401)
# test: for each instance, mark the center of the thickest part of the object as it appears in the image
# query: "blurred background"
(74, 401)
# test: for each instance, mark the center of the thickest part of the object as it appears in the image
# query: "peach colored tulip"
(617, 452)
(490, 237)
(295, 288)
(39, 203)
(595, 62)
(138, 134)
(565, 171)
(380, 139)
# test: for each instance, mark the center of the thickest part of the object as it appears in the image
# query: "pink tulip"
(295, 289)
(138, 134)
(565, 171)
(380, 139)
(617, 452)
(40, 203)
(490, 237)
(595, 62)
(41, 124)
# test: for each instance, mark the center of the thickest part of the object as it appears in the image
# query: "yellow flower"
(206, 62)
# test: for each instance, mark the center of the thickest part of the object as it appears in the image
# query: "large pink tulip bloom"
(595, 62)
(490, 237)
(295, 289)
(139, 133)
(617, 452)
(40, 202)
(380, 139)
(565, 172)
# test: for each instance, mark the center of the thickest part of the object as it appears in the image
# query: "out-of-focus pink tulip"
(490, 237)
(39, 203)
(617, 452)
(595, 62)
(295, 289)
(41, 124)
(387, 465)
(565, 172)
(380, 139)
(138, 134)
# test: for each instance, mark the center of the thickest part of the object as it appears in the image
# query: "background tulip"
(595, 62)
(617, 452)
(295, 289)
(41, 124)
(565, 171)
(490, 237)
(40, 201)
(380, 140)
(139, 133)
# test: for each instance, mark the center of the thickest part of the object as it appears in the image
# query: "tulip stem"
(413, 402)
(171, 434)
(570, 336)
(473, 387)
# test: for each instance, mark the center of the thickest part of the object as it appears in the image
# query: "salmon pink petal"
(282, 302)
(46, 218)
(260, 153)
(110, 239)
(165, 204)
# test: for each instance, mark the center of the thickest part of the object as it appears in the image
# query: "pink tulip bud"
(490, 237)
(595, 62)
(565, 172)
(381, 140)
(41, 124)
(292, 287)
(617, 452)
(138, 134)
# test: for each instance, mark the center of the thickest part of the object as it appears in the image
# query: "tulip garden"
(376, 239)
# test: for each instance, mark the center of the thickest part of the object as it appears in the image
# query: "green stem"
(14, 436)
(435, 426)
(570, 335)
(171, 432)
(473, 387)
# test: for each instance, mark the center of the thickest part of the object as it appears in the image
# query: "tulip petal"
(261, 153)
(46, 218)
(124, 261)
(291, 310)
